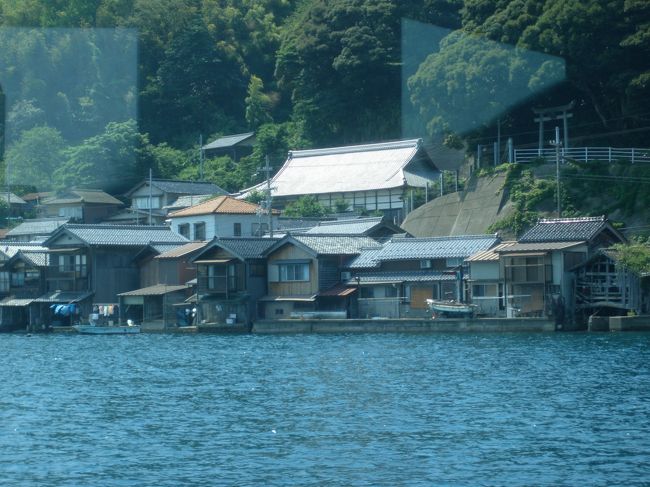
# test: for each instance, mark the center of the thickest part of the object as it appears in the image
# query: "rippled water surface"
(164, 410)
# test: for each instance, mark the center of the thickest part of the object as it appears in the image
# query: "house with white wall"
(222, 216)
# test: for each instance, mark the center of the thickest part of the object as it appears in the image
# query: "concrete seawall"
(404, 326)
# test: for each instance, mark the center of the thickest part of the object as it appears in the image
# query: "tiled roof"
(389, 277)
(367, 258)
(357, 226)
(435, 247)
(181, 250)
(63, 297)
(37, 259)
(156, 290)
(43, 226)
(220, 205)
(13, 199)
(244, 247)
(187, 187)
(228, 141)
(12, 248)
(346, 169)
(491, 254)
(564, 229)
(335, 244)
(95, 196)
(188, 200)
(537, 247)
(119, 235)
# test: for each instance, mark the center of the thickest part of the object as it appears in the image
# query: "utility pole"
(201, 157)
(150, 196)
(267, 168)
(556, 143)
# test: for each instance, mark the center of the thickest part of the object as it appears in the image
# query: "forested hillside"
(98, 108)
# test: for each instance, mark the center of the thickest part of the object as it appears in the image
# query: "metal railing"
(585, 154)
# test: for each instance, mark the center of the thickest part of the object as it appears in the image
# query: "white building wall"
(220, 225)
(484, 271)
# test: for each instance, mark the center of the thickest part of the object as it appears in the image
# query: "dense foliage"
(304, 74)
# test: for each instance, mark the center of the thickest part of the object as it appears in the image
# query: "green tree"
(35, 157)
(305, 206)
(258, 104)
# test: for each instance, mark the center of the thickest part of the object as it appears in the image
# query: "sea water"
(376, 410)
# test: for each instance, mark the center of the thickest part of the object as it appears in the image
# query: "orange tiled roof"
(220, 204)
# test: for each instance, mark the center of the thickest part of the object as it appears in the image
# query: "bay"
(448, 409)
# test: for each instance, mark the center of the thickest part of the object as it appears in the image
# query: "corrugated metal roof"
(435, 247)
(489, 255)
(347, 169)
(538, 247)
(181, 250)
(389, 277)
(335, 244)
(156, 290)
(119, 235)
(43, 226)
(220, 205)
(228, 141)
(564, 229)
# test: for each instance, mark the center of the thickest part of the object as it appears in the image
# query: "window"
(259, 229)
(184, 230)
(425, 264)
(18, 279)
(294, 272)
(237, 230)
(142, 202)
(4, 281)
(454, 261)
(199, 231)
(71, 212)
(257, 270)
(73, 263)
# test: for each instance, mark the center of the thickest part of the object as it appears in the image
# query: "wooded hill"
(303, 74)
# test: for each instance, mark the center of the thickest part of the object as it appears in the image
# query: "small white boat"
(107, 330)
(451, 308)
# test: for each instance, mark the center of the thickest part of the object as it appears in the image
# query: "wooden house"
(304, 275)
(152, 197)
(396, 279)
(231, 279)
(81, 206)
(99, 261)
(236, 146)
(35, 229)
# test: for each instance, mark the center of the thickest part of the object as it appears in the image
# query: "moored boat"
(450, 308)
(107, 330)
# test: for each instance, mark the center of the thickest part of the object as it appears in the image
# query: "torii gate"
(553, 113)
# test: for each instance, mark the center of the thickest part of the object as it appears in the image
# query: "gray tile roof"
(367, 259)
(564, 229)
(401, 276)
(9, 249)
(536, 247)
(246, 247)
(95, 196)
(43, 226)
(187, 201)
(435, 247)
(119, 235)
(228, 141)
(357, 226)
(187, 187)
(335, 244)
(37, 259)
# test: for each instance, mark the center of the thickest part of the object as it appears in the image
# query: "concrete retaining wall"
(404, 326)
(629, 323)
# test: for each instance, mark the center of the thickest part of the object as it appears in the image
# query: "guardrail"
(585, 154)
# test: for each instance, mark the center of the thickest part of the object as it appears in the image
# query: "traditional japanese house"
(305, 275)
(396, 279)
(25, 272)
(98, 261)
(605, 286)
(35, 230)
(537, 274)
(485, 281)
(231, 278)
(236, 146)
(81, 205)
(370, 177)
